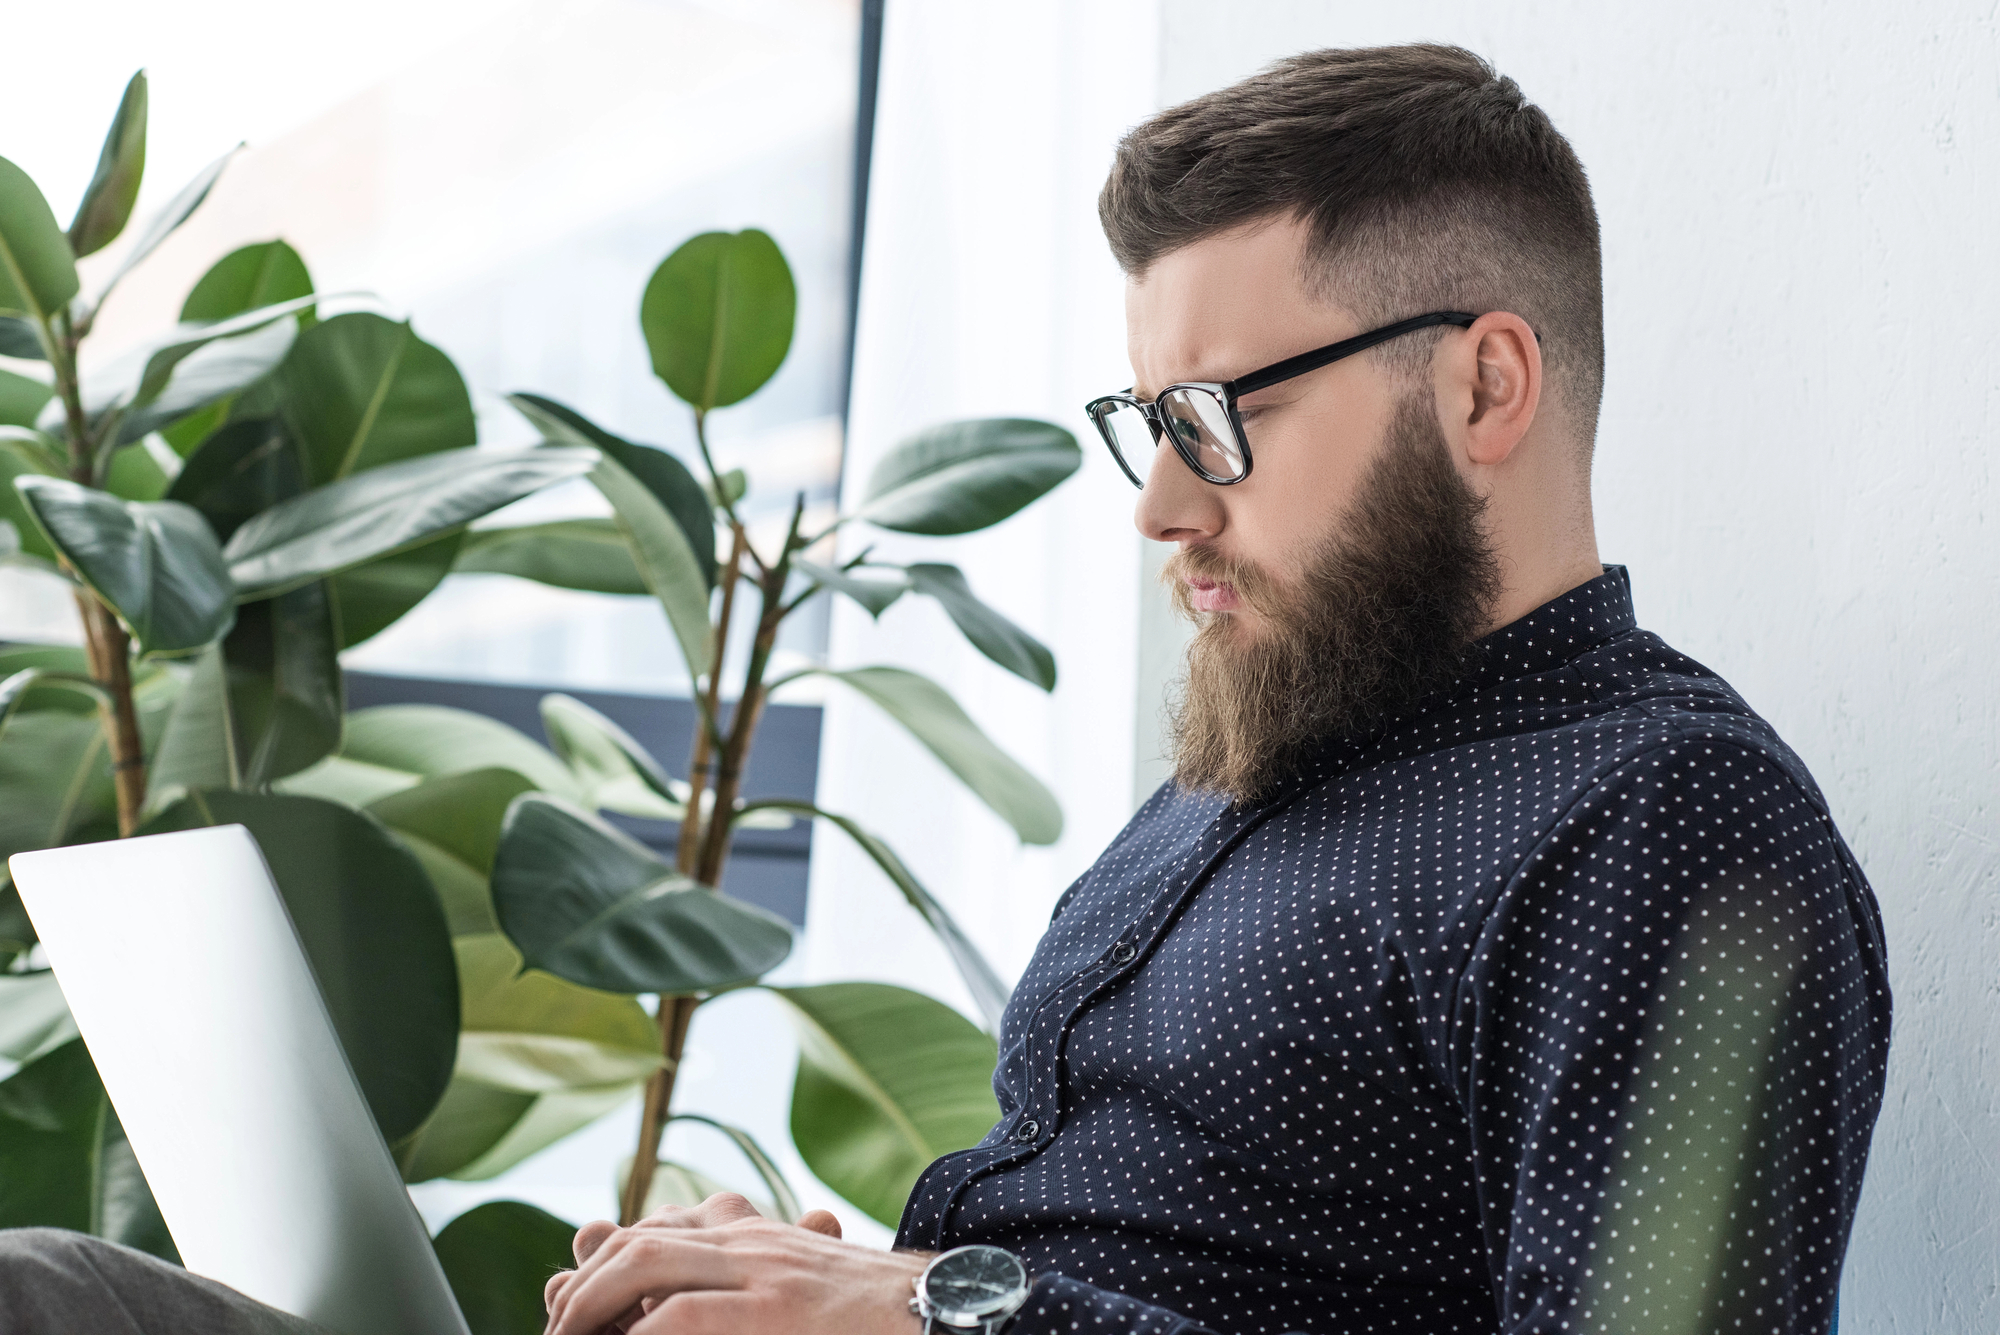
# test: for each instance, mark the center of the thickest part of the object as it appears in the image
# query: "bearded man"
(1486, 964)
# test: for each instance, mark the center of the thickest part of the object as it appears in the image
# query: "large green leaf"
(387, 509)
(163, 224)
(64, 1160)
(423, 741)
(34, 1018)
(198, 747)
(499, 1256)
(243, 280)
(964, 476)
(666, 562)
(155, 563)
(654, 469)
(586, 554)
(992, 634)
(14, 508)
(19, 339)
(538, 1057)
(935, 719)
(360, 391)
(284, 690)
(187, 367)
(452, 823)
(875, 596)
(374, 931)
(37, 270)
(54, 769)
(717, 315)
(114, 187)
(240, 471)
(459, 814)
(376, 594)
(249, 277)
(615, 772)
(285, 696)
(888, 1081)
(988, 992)
(213, 375)
(586, 902)
(136, 475)
(21, 399)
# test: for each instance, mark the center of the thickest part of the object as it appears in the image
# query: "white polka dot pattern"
(1557, 1006)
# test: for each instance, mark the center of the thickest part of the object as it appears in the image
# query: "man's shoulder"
(1647, 698)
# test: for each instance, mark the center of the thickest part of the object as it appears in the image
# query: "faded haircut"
(1426, 180)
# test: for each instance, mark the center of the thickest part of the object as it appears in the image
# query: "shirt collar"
(1558, 630)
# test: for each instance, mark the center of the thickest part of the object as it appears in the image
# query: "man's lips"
(1209, 596)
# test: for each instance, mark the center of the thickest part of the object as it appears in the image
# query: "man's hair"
(1426, 181)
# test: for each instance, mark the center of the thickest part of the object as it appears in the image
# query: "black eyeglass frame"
(1228, 391)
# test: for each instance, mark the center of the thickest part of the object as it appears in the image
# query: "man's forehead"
(1210, 312)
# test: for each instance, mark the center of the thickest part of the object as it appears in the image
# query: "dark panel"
(768, 867)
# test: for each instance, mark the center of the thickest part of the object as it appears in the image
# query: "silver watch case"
(976, 1288)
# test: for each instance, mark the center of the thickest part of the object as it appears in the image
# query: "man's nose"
(1175, 505)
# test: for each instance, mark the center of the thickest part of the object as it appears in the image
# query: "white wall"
(1800, 206)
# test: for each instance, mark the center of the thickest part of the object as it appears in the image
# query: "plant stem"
(705, 726)
(749, 708)
(106, 645)
(108, 648)
(675, 1013)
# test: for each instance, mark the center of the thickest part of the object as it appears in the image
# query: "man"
(1487, 964)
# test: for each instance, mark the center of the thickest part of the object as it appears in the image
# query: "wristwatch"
(970, 1288)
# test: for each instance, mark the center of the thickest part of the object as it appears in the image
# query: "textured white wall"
(1796, 461)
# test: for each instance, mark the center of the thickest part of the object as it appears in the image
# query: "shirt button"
(1124, 952)
(1027, 1130)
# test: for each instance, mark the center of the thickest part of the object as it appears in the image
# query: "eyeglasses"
(1200, 420)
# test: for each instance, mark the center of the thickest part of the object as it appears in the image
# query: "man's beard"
(1384, 616)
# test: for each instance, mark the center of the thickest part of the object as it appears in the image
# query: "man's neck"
(1525, 587)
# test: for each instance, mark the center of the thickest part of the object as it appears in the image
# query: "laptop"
(198, 1004)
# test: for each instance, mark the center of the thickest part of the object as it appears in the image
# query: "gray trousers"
(53, 1282)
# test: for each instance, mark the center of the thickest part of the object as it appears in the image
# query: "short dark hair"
(1426, 180)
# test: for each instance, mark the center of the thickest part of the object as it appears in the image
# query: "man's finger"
(590, 1237)
(724, 1207)
(820, 1221)
(710, 1312)
(641, 1263)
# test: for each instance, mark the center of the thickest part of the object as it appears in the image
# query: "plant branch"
(106, 645)
(109, 650)
(749, 708)
(707, 730)
(675, 1015)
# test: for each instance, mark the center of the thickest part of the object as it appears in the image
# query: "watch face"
(975, 1281)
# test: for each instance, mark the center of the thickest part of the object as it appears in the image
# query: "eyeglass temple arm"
(1312, 361)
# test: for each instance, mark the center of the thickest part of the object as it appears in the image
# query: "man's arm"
(719, 1267)
(1670, 1040)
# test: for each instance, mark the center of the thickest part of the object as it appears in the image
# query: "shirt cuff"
(1059, 1305)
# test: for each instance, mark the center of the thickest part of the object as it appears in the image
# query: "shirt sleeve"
(1670, 1039)
(1059, 1305)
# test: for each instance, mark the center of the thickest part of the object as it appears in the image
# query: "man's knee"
(43, 1248)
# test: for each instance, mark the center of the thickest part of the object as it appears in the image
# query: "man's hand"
(720, 1267)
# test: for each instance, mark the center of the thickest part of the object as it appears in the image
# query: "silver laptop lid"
(194, 995)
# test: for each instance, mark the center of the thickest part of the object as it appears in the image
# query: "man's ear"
(1494, 382)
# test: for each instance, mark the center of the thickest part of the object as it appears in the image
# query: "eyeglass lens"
(1200, 426)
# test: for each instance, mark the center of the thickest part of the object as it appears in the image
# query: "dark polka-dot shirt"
(1557, 1006)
